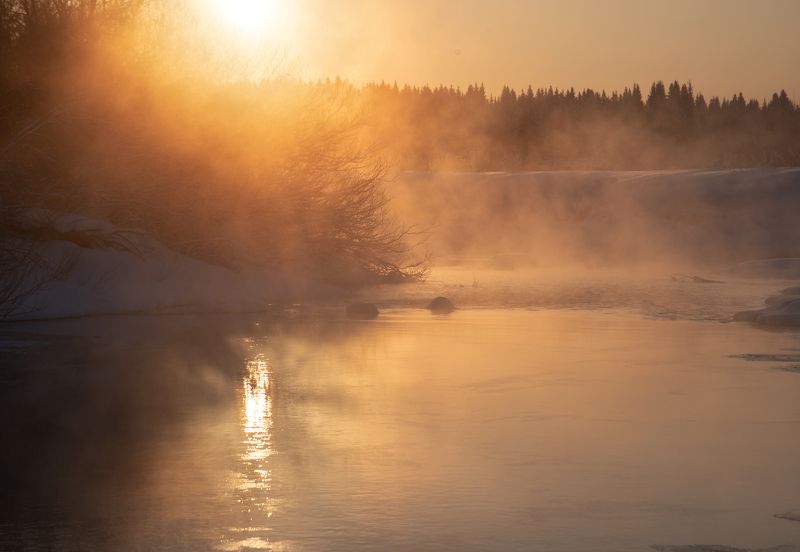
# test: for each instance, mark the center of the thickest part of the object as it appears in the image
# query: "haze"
(722, 46)
(246, 305)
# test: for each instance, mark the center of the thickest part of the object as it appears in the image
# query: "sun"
(248, 16)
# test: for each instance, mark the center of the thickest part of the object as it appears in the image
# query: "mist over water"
(397, 350)
(664, 220)
(590, 394)
(486, 429)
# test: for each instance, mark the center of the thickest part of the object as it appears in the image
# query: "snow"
(681, 219)
(789, 516)
(8, 343)
(158, 280)
(777, 269)
(704, 219)
(781, 310)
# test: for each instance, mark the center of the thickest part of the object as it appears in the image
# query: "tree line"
(672, 126)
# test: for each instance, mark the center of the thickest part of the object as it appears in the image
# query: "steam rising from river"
(668, 219)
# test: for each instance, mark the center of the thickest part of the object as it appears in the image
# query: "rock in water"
(441, 305)
(362, 311)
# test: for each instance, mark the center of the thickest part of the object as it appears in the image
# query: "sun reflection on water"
(257, 416)
(254, 482)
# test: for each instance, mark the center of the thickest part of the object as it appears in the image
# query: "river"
(581, 416)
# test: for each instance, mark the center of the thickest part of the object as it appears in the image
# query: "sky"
(722, 46)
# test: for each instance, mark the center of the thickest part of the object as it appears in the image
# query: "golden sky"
(722, 46)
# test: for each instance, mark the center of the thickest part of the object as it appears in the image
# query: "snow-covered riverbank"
(738, 224)
(147, 277)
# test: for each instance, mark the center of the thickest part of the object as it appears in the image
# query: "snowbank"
(776, 269)
(781, 310)
(151, 279)
(714, 218)
(593, 218)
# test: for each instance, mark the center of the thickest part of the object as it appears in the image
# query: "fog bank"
(698, 218)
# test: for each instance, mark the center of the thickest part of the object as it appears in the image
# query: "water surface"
(488, 429)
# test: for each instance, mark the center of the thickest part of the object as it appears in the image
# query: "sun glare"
(248, 16)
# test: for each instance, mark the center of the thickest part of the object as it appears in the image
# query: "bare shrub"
(25, 270)
(116, 125)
